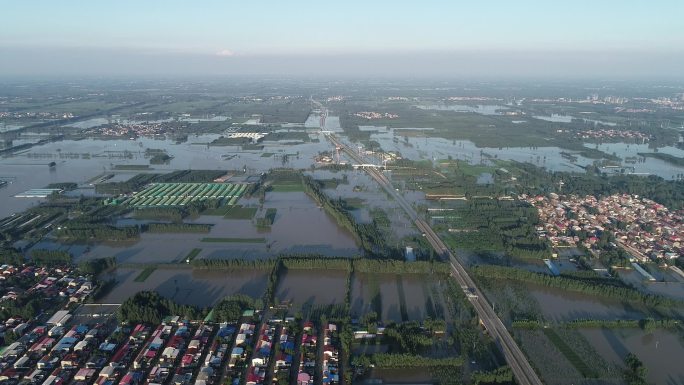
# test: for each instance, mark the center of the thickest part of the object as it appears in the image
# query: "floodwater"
(644, 165)
(660, 351)
(482, 109)
(400, 376)
(434, 149)
(299, 227)
(667, 283)
(558, 118)
(305, 288)
(416, 289)
(189, 286)
(361, 186)
(83, 160)
(559, 305)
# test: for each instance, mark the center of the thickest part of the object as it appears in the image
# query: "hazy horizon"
(385, 39)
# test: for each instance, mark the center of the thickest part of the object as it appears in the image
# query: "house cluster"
(175, 352)
(284, 354)
(255, 137)
(331, 355)
(129, 130)
(473, 99)
(613, 134)
(259, 365)
(58, 284)
(36, 115)
(53, 354)
(372, 115)
(646, 229)
(308, 350)
(239, 353)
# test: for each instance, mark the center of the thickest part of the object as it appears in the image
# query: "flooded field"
(399, 376)
(306, 288)
(667, 283)
(189, 286)
(389, 292)
(559, 305)
(432, 148)
(299, 227)
(660, 351)
(80, 161)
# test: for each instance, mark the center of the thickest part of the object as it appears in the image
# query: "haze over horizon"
(502, 39)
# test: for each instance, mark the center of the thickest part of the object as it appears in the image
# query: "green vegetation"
(178, 228)
(209, 195)
(67, 186)
(150, 307)
(160, 158)
(192, 255)
(140, 180)
(494, 225)
(412, 361)
(268, 219)
(574, 359)
(535, 180)
(393, 266)
(647, 324)
(46, 257)
(234, 240)
(230, 308)
(248, 264)
(97, 266)
(367, 234)
(173, 214)
(502, 375)
(240, 212)
(82, 231)
(131, 167)
(635, 374)
(11, 257)
(606, 288)
(142, 277)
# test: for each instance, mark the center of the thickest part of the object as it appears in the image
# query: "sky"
(524, 38)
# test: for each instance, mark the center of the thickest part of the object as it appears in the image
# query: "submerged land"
(249, 232)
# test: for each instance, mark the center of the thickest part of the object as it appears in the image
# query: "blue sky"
(243, 32)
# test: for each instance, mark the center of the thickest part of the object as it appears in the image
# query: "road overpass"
(522, 370)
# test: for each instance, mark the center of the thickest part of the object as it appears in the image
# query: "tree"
(635, 374)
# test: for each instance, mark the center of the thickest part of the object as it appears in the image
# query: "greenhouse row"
(181, 194)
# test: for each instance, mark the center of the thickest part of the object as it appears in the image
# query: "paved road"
(523, 371)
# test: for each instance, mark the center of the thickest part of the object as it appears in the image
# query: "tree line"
(177, 228)
(616, 291)
(83, 231)
(45, 257)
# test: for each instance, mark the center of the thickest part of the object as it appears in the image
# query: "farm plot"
(188, 286)
(182, 194)
(309, 288)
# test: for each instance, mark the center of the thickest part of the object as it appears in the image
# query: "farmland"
(182, 194)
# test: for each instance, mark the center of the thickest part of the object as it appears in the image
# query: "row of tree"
(616, 291)
(647, 324)
(82, 231)
(177, 228)
(45, 257)
(369, 237)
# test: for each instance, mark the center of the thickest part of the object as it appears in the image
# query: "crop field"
(295, 286)
(396, 297)
(187, 286)
(181, 194)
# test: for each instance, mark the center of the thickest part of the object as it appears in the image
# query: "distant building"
(410, 255)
